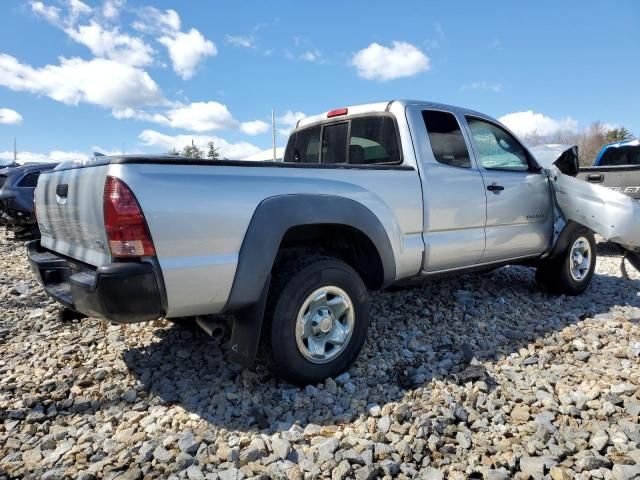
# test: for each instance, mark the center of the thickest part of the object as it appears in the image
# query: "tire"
(562, 275)
(323, 287)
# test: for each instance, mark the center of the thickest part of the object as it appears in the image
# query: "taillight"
(124, 222)
(338, 112)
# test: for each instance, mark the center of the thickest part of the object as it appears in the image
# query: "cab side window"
(373, 140)
(497, 149)
(445, 136)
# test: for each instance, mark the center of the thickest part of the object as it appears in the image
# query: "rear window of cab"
(367, 140)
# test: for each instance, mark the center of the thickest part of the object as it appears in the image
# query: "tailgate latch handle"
(62, 190)
(595, 177)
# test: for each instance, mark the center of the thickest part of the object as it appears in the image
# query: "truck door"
(453, 192)
(519, 207)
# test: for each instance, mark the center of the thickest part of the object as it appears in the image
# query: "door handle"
(494, 187)
(595, 177)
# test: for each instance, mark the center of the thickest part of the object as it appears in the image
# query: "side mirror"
(569, 163)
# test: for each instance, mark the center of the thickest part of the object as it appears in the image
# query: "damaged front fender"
(613, 215)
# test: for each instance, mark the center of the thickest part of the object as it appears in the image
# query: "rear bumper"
(118, 292)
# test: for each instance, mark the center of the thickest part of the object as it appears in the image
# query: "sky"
(78, 76)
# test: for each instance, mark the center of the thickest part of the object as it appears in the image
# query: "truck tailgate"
(70, 213)
(623, 178)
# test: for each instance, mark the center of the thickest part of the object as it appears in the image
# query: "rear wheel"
(572, 272)
(318, 317)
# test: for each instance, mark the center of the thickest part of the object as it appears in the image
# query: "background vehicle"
(17, 185)
(617, 167)
(367, 196)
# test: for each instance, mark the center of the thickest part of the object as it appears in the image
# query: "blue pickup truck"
(617, 167)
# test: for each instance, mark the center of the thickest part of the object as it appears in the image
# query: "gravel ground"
(479, 377)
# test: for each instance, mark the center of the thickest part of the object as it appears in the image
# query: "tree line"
(589, 141)
(192, 151)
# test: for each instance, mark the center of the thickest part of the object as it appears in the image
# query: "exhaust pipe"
(212, 326)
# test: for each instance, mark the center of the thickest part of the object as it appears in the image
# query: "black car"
(16, 197)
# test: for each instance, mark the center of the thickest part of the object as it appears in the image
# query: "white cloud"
(48, 12)
(187, 50)
(102, 41)
(78, 8)
(483, 86)
(311, 56)
(227, 149)
(240, 41)
(76, 81)
(10, 117)
(255, 127)
(377, 62)
(288, 121)
(195, 117)
(157, 21)
(111, 8)
(112, 44)
(533, 123)
(55, 156)
(201, 117)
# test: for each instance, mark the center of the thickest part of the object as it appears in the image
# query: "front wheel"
(572, 272)
(319, 317)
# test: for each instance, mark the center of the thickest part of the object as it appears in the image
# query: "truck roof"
(385, 106)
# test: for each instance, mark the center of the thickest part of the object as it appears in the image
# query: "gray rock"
(592, 462)
(325, 450)
(368, 472)
(384, 423)
(230, 474)
(498, 474)
(430, 473)
(389, 467)
(625, 472)
(133, 473)
(188, 443)
(599, 440)
(162, 455)
(281, 448)
(464, 439)
(341, 471)
(194, 473)
(129, 396)
(535, 467)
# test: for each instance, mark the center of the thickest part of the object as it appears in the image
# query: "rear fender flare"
(271, 220)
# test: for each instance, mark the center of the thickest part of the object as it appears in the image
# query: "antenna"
(15, 151)
(273, 133)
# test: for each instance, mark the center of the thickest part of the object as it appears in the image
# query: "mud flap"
(633, 257)
(247, 326)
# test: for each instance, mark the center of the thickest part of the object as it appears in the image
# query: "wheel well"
(341, 241)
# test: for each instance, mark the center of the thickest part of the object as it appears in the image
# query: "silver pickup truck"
(366, 197)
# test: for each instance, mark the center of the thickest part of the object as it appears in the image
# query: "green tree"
(619, 134)
(192, 151)
(187, 151)
(213, 153)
